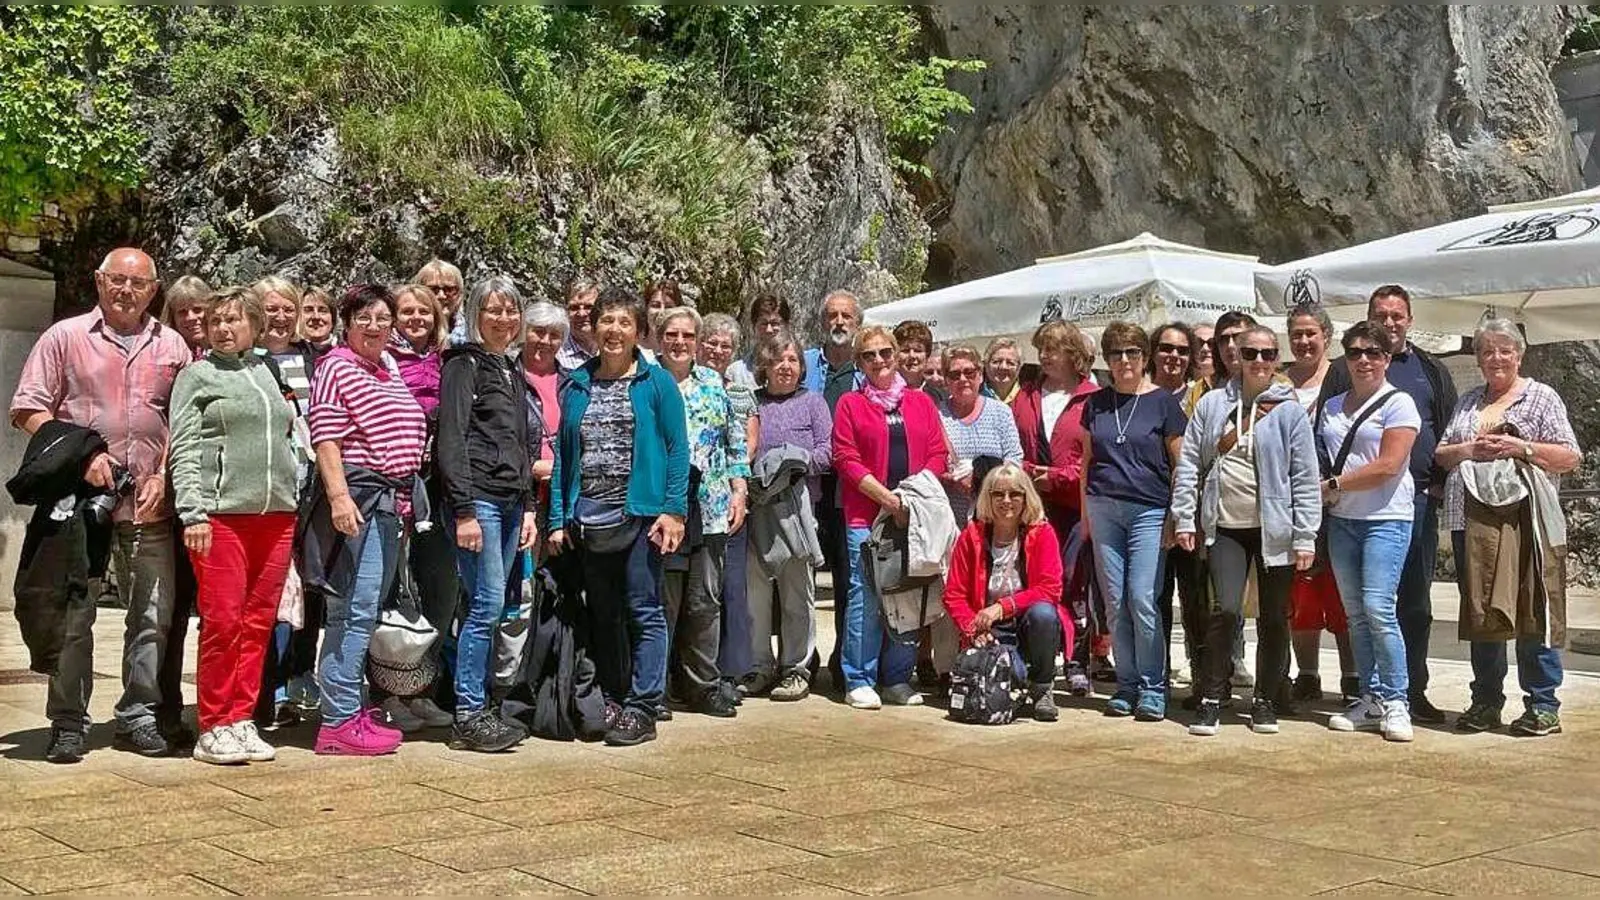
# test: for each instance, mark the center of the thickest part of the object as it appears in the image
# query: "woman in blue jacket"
(619, 494)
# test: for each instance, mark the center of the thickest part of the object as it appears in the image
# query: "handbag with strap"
(908, 602)
(1335, 466)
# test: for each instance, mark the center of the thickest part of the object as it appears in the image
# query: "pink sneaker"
(355, 737)
(378, 725)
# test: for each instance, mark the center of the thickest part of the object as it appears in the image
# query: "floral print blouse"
(717, 445)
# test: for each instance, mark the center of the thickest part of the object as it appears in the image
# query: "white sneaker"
(429, 712)
(1365, 714)
(864, 698)
(401, 717)
(255, 749)
(220, 747)
(901, 695)
(1396, 722)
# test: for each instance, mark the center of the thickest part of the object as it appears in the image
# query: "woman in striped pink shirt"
(368, 432)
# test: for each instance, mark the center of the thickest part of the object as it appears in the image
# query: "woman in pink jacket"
(883, 433)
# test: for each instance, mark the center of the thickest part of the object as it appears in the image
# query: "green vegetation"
(1586, 36)
(67, 126)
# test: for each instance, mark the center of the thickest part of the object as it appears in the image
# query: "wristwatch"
(1527, 451)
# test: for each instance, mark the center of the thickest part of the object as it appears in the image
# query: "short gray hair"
(722, 323)
(848, 295)
(481, 292)
(678, 312)
(544, 314)
(1501, 326)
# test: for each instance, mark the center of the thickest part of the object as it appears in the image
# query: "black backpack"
(981, 686)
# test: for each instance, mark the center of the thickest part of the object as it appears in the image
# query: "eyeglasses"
(372, 321)
(1372, 353)
(1125, 354)
(1178, 349)
(448, 290)
(1251, 354)
(1001, 494)
(962, 374)
(119, 280)
(1231, 337)
(882, 354)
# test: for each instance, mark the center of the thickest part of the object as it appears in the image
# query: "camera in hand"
(99, 507)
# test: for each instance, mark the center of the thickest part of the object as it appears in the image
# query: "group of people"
(288, 464)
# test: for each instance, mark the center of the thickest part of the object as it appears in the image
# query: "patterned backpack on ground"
(981, 686)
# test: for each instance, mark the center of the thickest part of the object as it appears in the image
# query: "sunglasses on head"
(1124, 354)
(1179, 349)
(1251, 354)
(882, 353)
(1372, 353)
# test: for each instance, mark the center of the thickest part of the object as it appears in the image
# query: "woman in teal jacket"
(233, 466)
(619, 495)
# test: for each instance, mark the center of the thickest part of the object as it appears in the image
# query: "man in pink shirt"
(111, 370)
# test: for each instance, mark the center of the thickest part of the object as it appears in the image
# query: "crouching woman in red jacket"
(1004, 582)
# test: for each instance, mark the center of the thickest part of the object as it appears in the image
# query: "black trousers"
(1189, 579)
(1231, 555)
(169, 678)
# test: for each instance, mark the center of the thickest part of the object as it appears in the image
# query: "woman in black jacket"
(488, 492)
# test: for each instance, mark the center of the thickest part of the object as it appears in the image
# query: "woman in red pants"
(232, 462)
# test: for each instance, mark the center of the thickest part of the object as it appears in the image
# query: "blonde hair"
(868, 332)
(666, 316)
(441, 268)
(277, 284)
(1032, 506)
(441, 319)
(186, 291)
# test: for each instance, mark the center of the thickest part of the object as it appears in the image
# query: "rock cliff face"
(1274, 130)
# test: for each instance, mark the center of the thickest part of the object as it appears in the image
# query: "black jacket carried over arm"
(64, 547)
(483, 430)
(1337, 381)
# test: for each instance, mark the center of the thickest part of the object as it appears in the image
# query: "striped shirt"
(367, 408)
(80, 372)
(990, 431)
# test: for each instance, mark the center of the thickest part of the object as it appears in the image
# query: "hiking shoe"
(1152, 708)
(1479, 717)
(146, 740)
(1425, 712)
(714, 703)
(484, 732)
(756, 684)
(1044, 702)
(66, 746)
(1307, 687)
(220, 747)
(1078, 681)
(632, 728)
(608, 721)
(1120, 706)
(1263, 716)
(1209, 720)
(901, 695)
(1537, 723)
(255, 749)
(1396, 721)
(400, 716)
(429, 712)
(863, 698)
(793, 687)
(356, 736)
(1349, 688)
(1363, 715)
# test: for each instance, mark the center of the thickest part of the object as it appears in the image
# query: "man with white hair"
(111, 370)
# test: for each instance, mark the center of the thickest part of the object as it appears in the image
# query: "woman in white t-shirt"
(1369, 496)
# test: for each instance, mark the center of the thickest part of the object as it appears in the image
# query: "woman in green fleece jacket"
(233, 475)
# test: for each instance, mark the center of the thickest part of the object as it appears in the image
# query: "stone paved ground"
(818, 799)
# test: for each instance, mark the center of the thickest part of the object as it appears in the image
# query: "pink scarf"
(887, 399)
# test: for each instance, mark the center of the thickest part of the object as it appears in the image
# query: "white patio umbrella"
(1537, 263)
(1146, 280)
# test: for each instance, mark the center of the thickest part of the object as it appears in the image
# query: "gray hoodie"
(1286, 472)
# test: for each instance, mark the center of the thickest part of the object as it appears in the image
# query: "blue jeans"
(1414, 603)
(483, 578)
(1539, 670)
(1367, 557)
(1130, 563)
(343, 663)
(867, 662)
(630, 656)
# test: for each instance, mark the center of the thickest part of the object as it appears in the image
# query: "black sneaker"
(663, 712)
(1425, 712)
(714, 703)
(1209, 720)
(1349, 689)
(146, 740)
(1263, 716)
(485, 732)
(612, 714)
(178, 735)
(632, 728)
(1536, 723)
(66, 745)
(1479, 717)
(1307, 687)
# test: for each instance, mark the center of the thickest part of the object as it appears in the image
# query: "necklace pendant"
(1122, 439)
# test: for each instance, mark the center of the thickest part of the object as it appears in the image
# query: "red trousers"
(241, 581)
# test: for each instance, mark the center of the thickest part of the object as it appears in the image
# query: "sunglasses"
(1126, 354)
(1372, 353)
(1178, 349)
(961, 374)
(1251, 354)
(1001, 494)
(1231, 337)
(882, 354)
